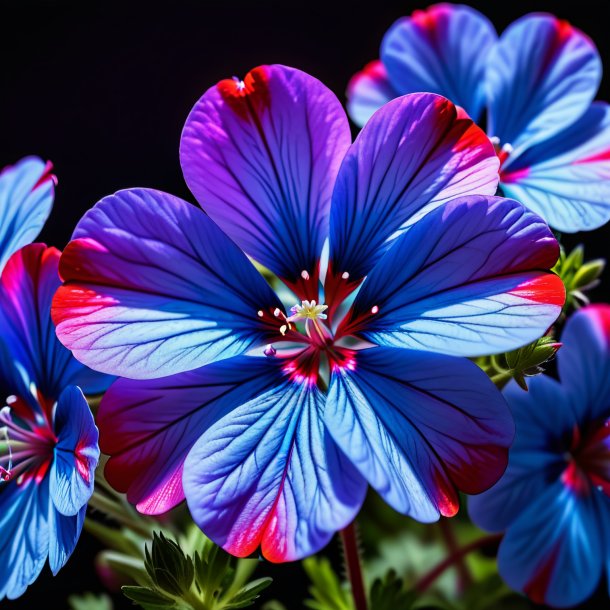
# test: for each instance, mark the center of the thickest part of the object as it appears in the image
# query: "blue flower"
(537, 82)
(48, 440)
(553, 502)
(273, 447)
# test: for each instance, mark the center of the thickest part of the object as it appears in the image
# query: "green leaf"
(148, 598)
(247, 595)
(389, 594)
(90, 601)
(326, 588)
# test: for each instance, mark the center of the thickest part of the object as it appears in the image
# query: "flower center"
(589, 460)
(26, 443)
(502, 150)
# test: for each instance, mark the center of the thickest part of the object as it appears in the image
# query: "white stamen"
(304, 275)
(277, 312)
(374, 309)
(345, 275)
(260, 313)
(308, 310)
(507, 148)
(495, 140)
(283, 329)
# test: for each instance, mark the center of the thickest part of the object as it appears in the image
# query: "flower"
(553, 502)
(48, 441)
(27, 190)
(536, 81)
(264, 452)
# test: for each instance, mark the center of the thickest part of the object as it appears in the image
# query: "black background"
(103, 88)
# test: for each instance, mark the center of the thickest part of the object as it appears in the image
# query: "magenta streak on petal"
(46, 176)
(516, 176)
(597, 158)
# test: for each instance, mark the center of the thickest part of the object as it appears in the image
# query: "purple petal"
(261, 156)
(27, 286)
(412, 156)
(149, 427)
(27, 190)
(367, 91)
(541, 77)
(76, 453)
(269, 475)
(444, 50)
(566, 179)
(465, 280)
(419, 427)
(153, 287)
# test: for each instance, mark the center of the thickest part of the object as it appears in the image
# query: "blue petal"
(553, 550)
(26, 198)
(25, 541)
(64, 534)
(27, 286)
(444, 50)
(153, 288)
(465, 280)
(584, 361)
(419, 426)
(566, 179)
(541, 76)
(412, 156)
(269, 475)
(76, 453)
(261, 157)
(544, 419)
(147, 453)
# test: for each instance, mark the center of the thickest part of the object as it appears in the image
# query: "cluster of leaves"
(578, 276)
(207, 580)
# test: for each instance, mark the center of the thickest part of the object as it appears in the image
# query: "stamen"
(260, 313)
(374, 309)
(345, 275)
(304, 275)
(270, 351)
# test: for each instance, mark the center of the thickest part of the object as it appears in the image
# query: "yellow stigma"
(308, 310)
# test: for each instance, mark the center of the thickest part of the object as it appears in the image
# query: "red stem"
(425, 582)
(464, 576)
(354, 568)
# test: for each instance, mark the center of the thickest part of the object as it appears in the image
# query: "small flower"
(276, 451)
(553, 502)
(537, 82)
(48, 441)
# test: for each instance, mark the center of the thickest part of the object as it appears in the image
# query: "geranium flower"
(265, 455)
(27, 190)
(537, 82)
(554, 499)
(48, 441)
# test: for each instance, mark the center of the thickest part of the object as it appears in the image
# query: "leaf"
(90, 601)
(148, 598)
(326, 590)
(167, 565)
(248, 594)
(389, 593)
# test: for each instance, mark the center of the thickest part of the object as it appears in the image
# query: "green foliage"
(578, 276)
(388, 593)
(326, 589)
(524, 362)
(89, 601)
(204, 579)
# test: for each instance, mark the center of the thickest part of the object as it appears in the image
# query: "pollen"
(308, 310)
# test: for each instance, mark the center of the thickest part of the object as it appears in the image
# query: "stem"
(109, 508)
(424, 583)
(464, 576)
(354, 567)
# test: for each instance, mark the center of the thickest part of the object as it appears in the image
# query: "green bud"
(529, 360)
(168, 567)
(588, 275)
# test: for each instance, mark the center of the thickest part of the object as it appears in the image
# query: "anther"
(270, 351)
(345, 275)
(277, 312)
(374, 309)
(283, 329)
(260, 313)
(304, 275)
